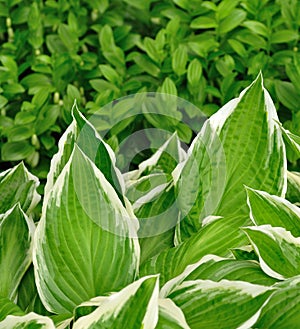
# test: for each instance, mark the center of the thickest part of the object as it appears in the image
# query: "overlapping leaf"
(293, 189)
(135, 306)
(18, 185)
(277, 248)
(224, 304)
(273, 210)
(85, 244)
(245, 134)
(209, 240)
(283, 309)
(16, 233)
(29, 321)
(7, 307)
(90, 142)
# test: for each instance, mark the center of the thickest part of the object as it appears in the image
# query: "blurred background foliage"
(97, 51)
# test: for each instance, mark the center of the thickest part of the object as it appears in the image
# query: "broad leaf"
(16, 233)
(283, 309)
(136, 306)
(292, 141)
(220, 305)
(231, 269)
(86, 137)
(18, 185)
(7, 307)
(216, 237)
(273, 210)
(170, 316)
(29, 321)
(243, 129)
(85, 243)
(277, 248)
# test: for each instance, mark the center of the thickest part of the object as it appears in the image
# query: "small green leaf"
(194, 73)
(233, 20)
(293, 188)
(179, 60)
(203, 22)
(284, 36)
(256, 27)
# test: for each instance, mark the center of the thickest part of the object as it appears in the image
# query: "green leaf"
(287, 94)
(194, 73)
(170, 316)
(84, 233)
(16, 232)
(3, 101)
(168, 87)
(29, 321)
(224, 304)
(283, 308)
(277, 248)
(7, 307)
(216, 237)
(87, 138)
(293, 189)
(238, 47)
(284, 36)
(216, 269)
(28, 298)
(233, 20)
(208, 183)
(179, 60)
(18, 185)
(110, 74)
(273, 210)
(116, 311)
(292, 141)
(256, 27)
(203, 22)
(16, 151)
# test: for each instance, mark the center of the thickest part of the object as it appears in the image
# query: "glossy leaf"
(82, 237)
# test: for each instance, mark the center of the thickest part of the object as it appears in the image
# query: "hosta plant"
(196, 239)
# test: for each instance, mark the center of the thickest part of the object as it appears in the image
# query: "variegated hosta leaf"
(135, 306)
(29, 321)
(157, 218)
(7, 307)
(273, 210)
(277, 248)
(28, 298)
(16, 233)
(244, 253)
(18, 185)
(283, 308)
(85, 243)
(243, 132)
(86, 137)
(231, 269)
(216, 237)
(293, 188)
(170, 316)
(220, 305)
(292, 141)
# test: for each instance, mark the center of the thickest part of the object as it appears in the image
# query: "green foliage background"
(99, 50)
